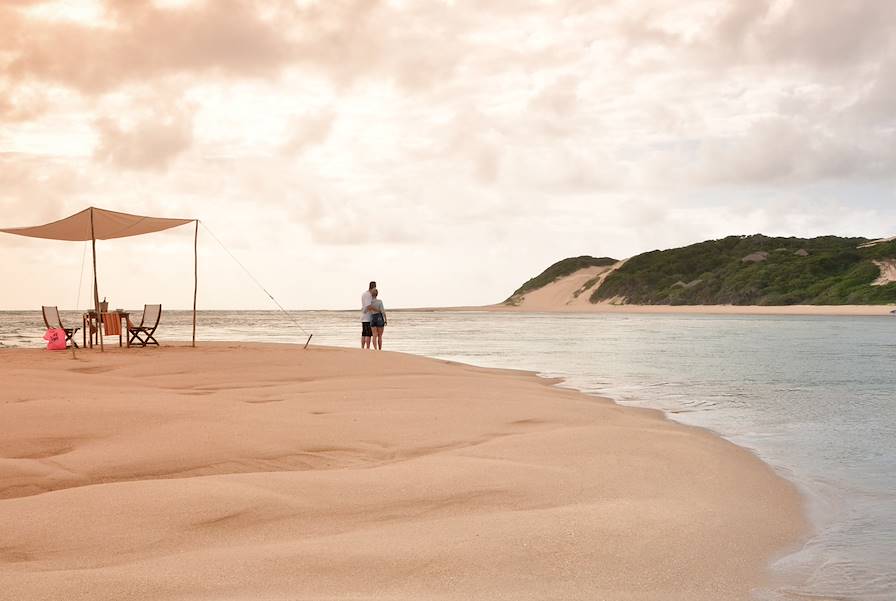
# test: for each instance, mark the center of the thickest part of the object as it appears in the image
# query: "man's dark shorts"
(365, 329)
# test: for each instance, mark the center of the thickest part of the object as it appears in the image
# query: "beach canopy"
(99, 224)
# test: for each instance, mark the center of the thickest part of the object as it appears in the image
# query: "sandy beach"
(237, 471)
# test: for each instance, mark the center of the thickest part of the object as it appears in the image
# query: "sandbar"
(251, 471)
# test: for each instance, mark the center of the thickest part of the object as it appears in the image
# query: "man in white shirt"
(366, 332)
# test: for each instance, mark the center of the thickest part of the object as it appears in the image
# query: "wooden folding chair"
(143, 334)
(52, 320)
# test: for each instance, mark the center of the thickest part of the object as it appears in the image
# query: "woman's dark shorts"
(365, 329)
(377, 320)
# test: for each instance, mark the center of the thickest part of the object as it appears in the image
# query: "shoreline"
(775, 310)
(601, 308)
(548, 481)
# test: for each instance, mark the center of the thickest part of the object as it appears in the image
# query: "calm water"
(813, 396)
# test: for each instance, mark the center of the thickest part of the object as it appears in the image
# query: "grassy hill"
(556, 271)
(754, 270)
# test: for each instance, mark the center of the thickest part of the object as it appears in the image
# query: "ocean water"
(813, 396)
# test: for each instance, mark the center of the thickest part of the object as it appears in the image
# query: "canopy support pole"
(195, 277)
(96, 292)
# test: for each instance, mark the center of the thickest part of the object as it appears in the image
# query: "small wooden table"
(91, 325)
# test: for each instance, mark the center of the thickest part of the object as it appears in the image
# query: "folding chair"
(52, 320)
(143, 334)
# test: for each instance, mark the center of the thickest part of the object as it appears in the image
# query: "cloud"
(820, 34)
(777, 150)
(147, 142)
(559, 97)
(333, 218)
(21, 106)
(143, 42)
(309, 130)
(342, 40)
(43, 185)
(410, 131)
(829, 33)
(36, 190)
(874, 107)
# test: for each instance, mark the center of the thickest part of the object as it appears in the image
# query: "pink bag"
(55, 338)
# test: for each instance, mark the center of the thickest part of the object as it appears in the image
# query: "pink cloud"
(225, 37)
(150, 143)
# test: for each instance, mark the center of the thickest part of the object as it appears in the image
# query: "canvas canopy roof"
(106, 225)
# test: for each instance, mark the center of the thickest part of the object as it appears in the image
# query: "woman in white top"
(377, 319)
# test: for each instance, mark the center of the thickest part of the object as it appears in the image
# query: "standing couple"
(373, 318)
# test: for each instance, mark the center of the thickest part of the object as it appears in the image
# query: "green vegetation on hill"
(754, 270)
(556, 271)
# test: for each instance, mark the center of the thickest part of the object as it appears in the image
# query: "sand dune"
(265, 472)
(887, 272)
(876, 242)
(570, 292)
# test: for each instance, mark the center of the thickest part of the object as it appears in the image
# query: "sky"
(449, 149)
